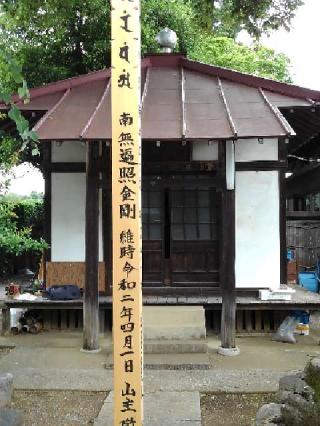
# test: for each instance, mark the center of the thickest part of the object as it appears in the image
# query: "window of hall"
(193, 215)
(152, 215)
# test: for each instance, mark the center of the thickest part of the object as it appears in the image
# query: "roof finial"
(167, 40)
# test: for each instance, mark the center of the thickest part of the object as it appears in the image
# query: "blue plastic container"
(309, 281)
(302, 316)
(290, 254)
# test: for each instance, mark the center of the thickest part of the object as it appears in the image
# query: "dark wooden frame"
(261, 166)
(91, 293)
(47, 220)
(228, 279)
(215, 178)
(227, 260)
(106, 215)
(67, 167)
(282, 150)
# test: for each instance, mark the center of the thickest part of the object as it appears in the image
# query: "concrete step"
(197, 346)
(176, 362)
(175, 346)
(160, 409)
(180, 314)
(192, 361)
(174, 322)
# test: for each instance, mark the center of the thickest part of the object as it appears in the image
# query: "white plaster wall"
(252, 150)
(205, 151)
(257, 230)
(68, 218)
(69, 151)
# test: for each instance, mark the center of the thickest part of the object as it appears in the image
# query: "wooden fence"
(304, 236)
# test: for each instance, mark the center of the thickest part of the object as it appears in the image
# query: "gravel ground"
(58, 408)
(231, 409)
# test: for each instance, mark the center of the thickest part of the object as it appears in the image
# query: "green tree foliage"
(11, 76)
(20, 230)
(9, 156)
(56, 39)
(259, 60)
(25, 141)
(258, 17)
(11, 146)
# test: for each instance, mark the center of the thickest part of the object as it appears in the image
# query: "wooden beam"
(291, 214)
(48, 114)
(46, 150)
(282, 155)
(97, 108)
(91, 293)
(283, 227)
(228, 314)
(225, 103)
(261, 165)
(67, 167)
(283, 151)
(106, 216)
(282, 121)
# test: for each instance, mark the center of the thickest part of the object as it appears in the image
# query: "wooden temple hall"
(214, 158)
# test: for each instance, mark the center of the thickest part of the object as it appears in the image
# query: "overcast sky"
(301, 45)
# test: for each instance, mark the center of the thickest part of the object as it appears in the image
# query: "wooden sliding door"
(181, 236)
(152, 236)
(194, 237)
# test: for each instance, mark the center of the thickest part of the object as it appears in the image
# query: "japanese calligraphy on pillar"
(126, 213)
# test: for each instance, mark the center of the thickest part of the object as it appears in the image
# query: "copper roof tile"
(180, 99)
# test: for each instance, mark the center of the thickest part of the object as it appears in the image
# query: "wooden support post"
(91, 293)
(106, 217)
(46, 163)
(228, 316)
(283, 227)
(228, 254)
(282, 213)
(5, 321)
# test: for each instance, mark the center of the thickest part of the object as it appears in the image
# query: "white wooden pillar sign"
(126, 213)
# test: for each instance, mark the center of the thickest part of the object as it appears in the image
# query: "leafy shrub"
(20, 232)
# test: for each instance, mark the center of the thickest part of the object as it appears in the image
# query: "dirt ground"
(75, 408)
(231, 409)
(4, 352)
(63, 408)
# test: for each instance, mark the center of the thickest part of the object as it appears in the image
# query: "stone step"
(176, 362)
(174, 332)
(167, 314)
(191, 361)
(175, 346)
(174, 322)
(197, 346)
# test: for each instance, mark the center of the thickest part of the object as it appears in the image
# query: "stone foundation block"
(6, 389)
